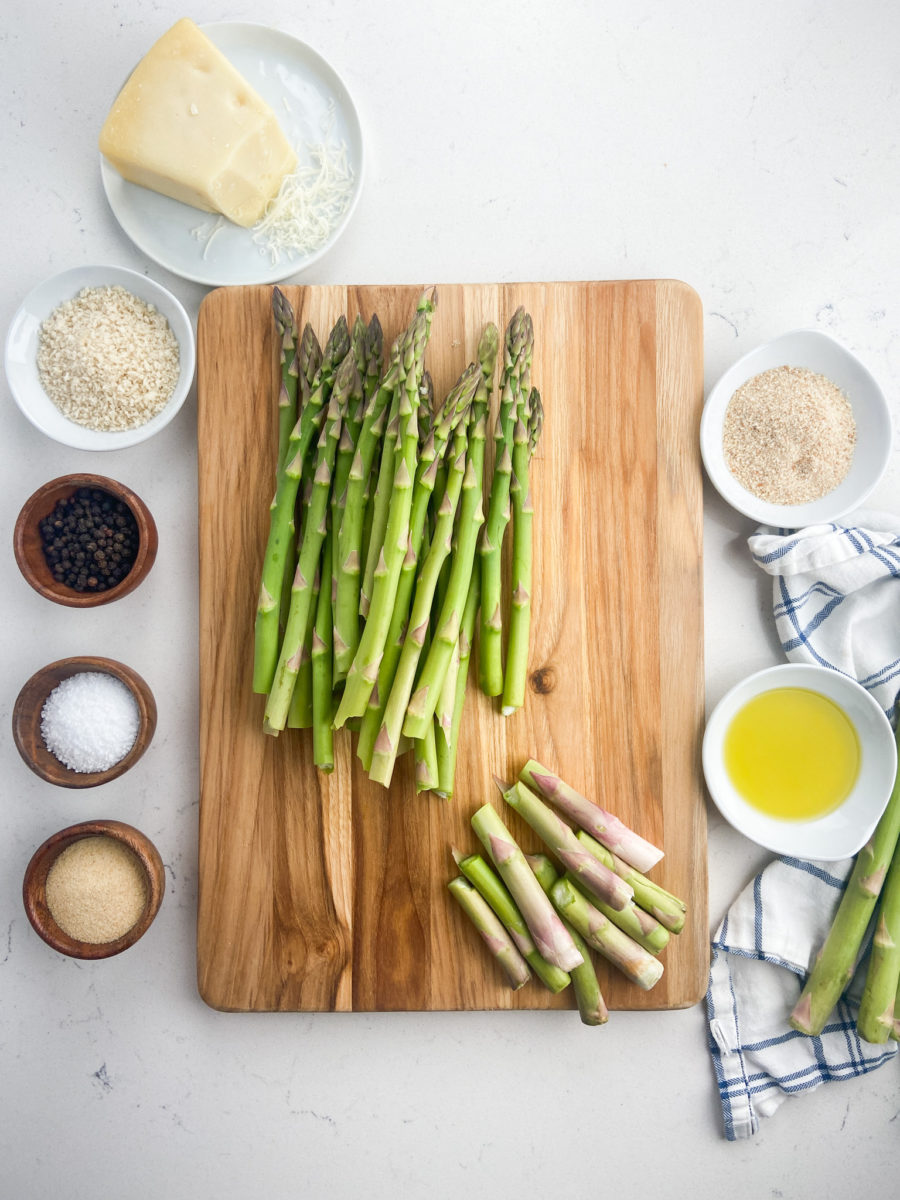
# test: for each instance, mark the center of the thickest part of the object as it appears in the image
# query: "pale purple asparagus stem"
(492, 932)
(600, 933)
(592, 874)
(550, 935)
(603, 825)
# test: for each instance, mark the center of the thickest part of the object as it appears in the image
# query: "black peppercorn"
(80, 545)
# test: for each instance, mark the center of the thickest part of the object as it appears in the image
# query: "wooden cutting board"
(328, 893)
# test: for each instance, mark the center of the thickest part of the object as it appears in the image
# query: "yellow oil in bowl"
(792, 753)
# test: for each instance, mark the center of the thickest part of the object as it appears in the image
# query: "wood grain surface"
(329, 893)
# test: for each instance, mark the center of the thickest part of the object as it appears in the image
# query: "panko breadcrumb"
(107, 359)
(789, 435)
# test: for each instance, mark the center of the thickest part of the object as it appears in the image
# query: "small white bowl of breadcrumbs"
(100, 357)
(797, 432)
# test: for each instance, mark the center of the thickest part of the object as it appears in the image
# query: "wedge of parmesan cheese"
(187, 124)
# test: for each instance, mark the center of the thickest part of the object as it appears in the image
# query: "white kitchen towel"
(837, 597)
(760, 957)
(837, 604)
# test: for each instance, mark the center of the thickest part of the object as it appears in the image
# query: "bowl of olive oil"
(801, 760)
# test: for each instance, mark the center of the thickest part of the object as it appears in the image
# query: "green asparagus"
(529, 422)
(835, 963)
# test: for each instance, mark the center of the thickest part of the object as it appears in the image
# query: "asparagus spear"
(599, 880)
(286, 327)
(640, 926)
(450, 417)
(549, 933)
(529, 422)
(300, 714)
(384, 750)
(480, 875)
(350, 536)
(346, 453)
(423, 702)
(426, 761)
(281, 521)
(492, 932)
(585, 984)
(447, 747)
(833, 968)
(590, 817)
(668, 909)
(443, 713)
(308, 361)
(383, 491)
(310, 551)
(600, 933)
(876, 1011)
(322, 666)
(363, 672)
(519, 341)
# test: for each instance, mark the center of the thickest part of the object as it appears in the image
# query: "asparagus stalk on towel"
(653, 899)
(600, 933)
(594, 875)
(877, 1008)
(585, 984)
(480, 875)
(590, 817)
(549, 933)
(836, 961)
(281, 521)
(492, 932)
(527, 432)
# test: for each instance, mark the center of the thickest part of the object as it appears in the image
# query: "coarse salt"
(90, 721)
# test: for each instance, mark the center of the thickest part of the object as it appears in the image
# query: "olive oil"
(792, 753)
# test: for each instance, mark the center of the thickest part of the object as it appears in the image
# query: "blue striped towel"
(837, 597)
(837, 604)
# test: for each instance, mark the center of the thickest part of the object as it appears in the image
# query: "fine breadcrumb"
(789, 435)
(96, 890)
(107, 359)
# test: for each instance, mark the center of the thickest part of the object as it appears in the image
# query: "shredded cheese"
(309, 206)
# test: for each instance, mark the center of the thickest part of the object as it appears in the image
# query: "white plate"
(822, 353)
(20, 357)
(312, 105)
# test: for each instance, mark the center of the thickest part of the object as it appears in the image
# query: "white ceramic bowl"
(821, 353)
(838, 834)
(22, 346)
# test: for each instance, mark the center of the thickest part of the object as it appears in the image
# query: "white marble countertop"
(749, 150)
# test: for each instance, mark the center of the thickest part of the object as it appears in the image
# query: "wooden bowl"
(30, 552)
(26, 721)
(34, 887)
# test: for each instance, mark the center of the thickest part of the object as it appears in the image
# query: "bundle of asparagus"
(549, 922)
(874, 882)
(371, 585)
